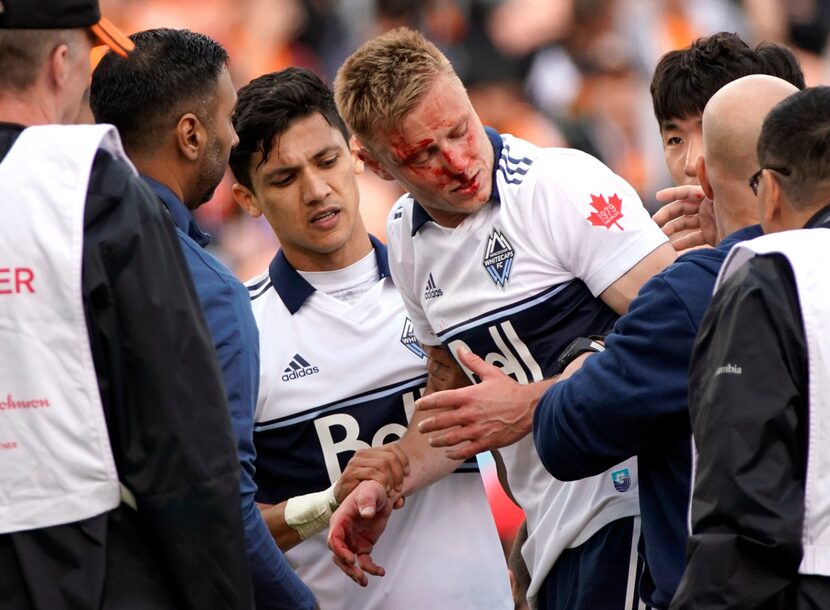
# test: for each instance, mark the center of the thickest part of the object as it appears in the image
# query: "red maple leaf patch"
(607, 212)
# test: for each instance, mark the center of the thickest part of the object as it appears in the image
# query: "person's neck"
(341, 258)
(26, 109)
(163, 173)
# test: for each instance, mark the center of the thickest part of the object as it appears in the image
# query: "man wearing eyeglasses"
(759, 395)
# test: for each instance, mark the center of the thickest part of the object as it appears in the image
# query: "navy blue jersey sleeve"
(623, 400)
(227, 310)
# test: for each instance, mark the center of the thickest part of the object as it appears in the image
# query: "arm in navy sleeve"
(750, 432)
(162, 392)
(623, 400)
(228, 312)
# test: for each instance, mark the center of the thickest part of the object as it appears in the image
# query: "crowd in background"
(555, 72)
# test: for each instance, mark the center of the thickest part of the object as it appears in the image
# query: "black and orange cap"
(63, 14)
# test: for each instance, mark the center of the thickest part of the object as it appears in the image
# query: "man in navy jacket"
(632, 399)
(178, 132)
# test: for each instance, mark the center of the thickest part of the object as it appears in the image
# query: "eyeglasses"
(756, 177)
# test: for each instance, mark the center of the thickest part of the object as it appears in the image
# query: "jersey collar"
(294, 289)
(420, 216)
(182, 217)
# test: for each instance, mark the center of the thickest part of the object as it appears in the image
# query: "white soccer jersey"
(339, 377)
(516, 282)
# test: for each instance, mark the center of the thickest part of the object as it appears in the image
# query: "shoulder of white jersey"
(521, 159)
(400, 216)
(258, 285)
(516, 159)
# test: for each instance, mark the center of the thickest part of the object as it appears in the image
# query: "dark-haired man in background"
(173, 103)
(759, 394)
(683, 82)
(107, 374)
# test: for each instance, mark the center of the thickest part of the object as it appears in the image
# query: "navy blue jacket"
(632, 400)
(227, 308)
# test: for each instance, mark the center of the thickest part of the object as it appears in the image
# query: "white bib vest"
(56, 463)
(808, 251)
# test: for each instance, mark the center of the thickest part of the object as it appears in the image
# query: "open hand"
(387, 464)
(688, 218)
(494, 413)
(356, 526)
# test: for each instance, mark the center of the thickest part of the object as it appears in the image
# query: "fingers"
(476, 364)
(388, 465)
(675, 209)
(684, 223)
(693, 239)
(690, 192)
(466, 451)
(446, 399)
(369, 566)
(371, 498)
(351, 569)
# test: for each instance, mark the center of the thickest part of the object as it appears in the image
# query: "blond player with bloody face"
(507, 251)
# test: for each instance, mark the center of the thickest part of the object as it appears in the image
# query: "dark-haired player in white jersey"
(341, 370)
(509, 251)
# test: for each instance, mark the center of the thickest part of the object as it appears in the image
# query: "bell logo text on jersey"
(498, 257)
(432, 291)
(409, 340)
(621, 480)
(607, 212)
(511, 354)
(297, 368)
(340, 432)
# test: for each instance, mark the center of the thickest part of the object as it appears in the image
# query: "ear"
(370, 161)
(703, 177)
(354, 149)
(191, 136)
(772, 206)
(246, 200)
(58, 65)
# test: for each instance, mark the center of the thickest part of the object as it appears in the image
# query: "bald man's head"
(732, 122)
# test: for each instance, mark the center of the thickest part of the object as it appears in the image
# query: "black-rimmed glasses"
(756, 177)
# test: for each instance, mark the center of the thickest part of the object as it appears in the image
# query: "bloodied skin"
(440, 153)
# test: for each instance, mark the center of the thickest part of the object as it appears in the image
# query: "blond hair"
(385, 78)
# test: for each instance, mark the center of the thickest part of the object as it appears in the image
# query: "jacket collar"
(182, 217)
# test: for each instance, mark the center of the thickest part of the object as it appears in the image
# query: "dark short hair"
(169, 73)
(685, 79)
(268, 105)
(796, 136)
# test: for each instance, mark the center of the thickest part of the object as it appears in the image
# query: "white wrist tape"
(309, 514)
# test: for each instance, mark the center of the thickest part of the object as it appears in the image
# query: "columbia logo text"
(432, 291)
(728, 369)
(298, 367)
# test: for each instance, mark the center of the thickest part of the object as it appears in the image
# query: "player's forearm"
(426, 464)
(284, 535)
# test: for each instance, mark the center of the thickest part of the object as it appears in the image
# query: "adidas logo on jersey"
(498, 257)
(298, 367)
(431, 291)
